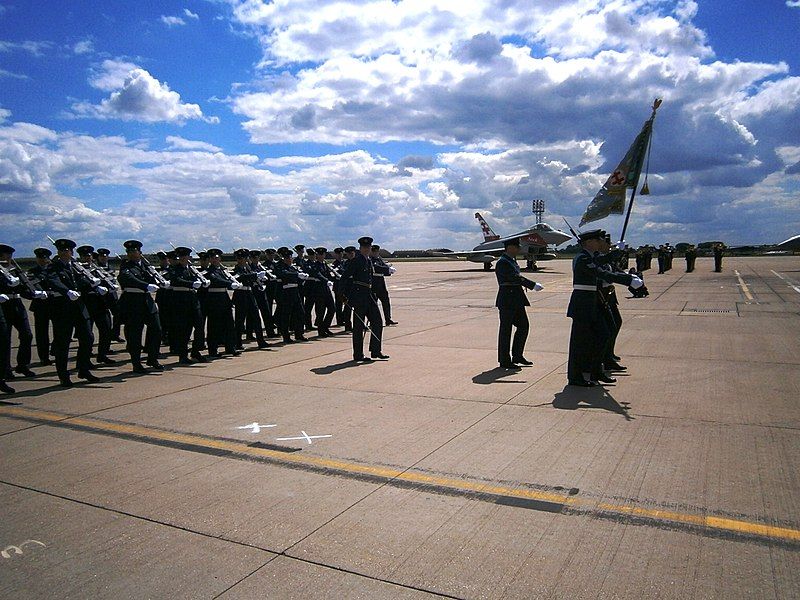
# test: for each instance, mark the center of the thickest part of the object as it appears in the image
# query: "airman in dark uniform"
(40, 307)
(272, 288)
(66, 285)
(185, 282)
(379, 284)
(289, 312)
(96, 304)
(14, 288)
(358, 280)
(337, 266)
(608, 260)
(137, 309)
(112, 298)
(590, 333)
(511, 302)
(260, 292)
(691, 256)
(202, 297)
(221, 327)
(5, 343)
(244, 301)
(347, 310)
(718, 250)
(321, 285)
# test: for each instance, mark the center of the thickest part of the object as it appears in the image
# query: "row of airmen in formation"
(187, 307)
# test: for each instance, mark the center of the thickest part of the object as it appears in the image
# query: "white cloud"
(85, 46)
(12, 75)
(171, 21)
(189, 14)
(136, 96)
(175, 142)
(34, 48)
(793, 3)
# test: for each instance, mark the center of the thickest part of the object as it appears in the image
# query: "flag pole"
(656, 104)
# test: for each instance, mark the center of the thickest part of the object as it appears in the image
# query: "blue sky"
(244, 122)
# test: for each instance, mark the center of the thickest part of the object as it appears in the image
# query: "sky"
(235, 123)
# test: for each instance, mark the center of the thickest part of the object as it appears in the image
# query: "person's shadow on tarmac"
(496, 376)
(573, 398)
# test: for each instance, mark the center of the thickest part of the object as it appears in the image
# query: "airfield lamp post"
(538, 210)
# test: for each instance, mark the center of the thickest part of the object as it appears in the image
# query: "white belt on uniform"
(584, 288)
(289, 285)
(134, 291)
(183, 289)
(217, 289)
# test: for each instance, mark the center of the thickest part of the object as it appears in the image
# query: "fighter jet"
(534, 244)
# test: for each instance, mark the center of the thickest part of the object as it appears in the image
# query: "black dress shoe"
(185, 360)
(581, 383)
(348, 328)
(199, 357)
(362, 359)
(615, 366)
(615, 357)
(288, 340)
(66, 382)
(155, 365)
(323, 334)
(236, 353)
(46, 362)
(25, 372)
(5, 388)
(87, 376)
(106, 361)
(505, 365)
(10, 375)
(379, 356)
(389, 323)
(301, 338)
(139, 369)
(263, 346)
(521, 360)
(603, 379)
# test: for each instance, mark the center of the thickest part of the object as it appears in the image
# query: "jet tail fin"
(488, 234)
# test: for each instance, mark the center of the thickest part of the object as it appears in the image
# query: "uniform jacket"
(38, 276)
(510, 294)
(135, 276)
(357, 281)
(60, 278)
(587, 272)
(381, 271)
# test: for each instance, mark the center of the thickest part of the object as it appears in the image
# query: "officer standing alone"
(511, 302)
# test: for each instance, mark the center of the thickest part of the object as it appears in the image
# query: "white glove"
(166, 285)
(13, 281)
(95, 281)
(538, 287)
(262, 276)
(196, 284)
(235, 285)
(39, 295)
(620, 245)
(636, 283)
(330, 285)
(303, 276)
(152, 287)
(3, 298)
(206, 283)
(101, 290)
(73, 295)
(392, 270)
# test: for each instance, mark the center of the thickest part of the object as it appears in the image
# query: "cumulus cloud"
(190, 15)
(136, 96)
(171, 21)
(175, 142)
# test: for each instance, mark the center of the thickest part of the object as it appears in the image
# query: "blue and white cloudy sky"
(246, 122)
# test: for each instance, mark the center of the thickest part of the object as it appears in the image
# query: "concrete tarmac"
(293, 473)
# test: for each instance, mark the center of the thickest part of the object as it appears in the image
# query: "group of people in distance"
(192, 309)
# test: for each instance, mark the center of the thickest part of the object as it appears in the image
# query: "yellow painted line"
(414, 477)
(744, 287)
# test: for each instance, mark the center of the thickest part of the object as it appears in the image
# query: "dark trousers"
(187, 319)
(69, 320)
(324, 307)
(101, 318)
(613, 320)
(221, 328)
(512, 317)
(41, 329)
(383, 295)
(247, 317)
(116, 322)
(134, 326)
(163, 300)
(717, 264)
(16, 316)
(660, 265)
(587, 341)
(309, 299)
(290, 315)
(5, 344)
(265, 309)
(338, 304)
(366, 311)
